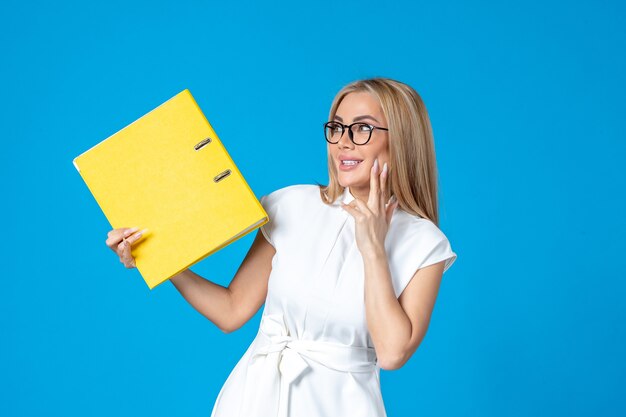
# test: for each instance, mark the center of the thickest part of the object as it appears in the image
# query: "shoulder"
(411, 224)
(285, 208)
(412, 232)
(295, 194)
(415, 242)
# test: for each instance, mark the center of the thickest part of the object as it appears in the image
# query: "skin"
(350, 110)
(397, 325)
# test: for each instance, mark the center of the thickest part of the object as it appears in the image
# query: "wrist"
(375, 255)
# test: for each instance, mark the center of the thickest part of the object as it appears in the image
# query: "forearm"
(387, 322)
(210, 299)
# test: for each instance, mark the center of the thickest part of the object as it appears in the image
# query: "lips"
(349, 166)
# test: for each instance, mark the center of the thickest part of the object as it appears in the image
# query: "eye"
(335, 127)
(364, 128)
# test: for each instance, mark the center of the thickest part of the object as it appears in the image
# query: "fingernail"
(376, 165)
(130, 231)
(385, 168)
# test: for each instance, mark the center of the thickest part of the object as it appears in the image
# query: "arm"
(397, 326)
(230, 308)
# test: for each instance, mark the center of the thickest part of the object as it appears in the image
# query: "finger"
(123, 249)
(361, 207)
(115, 236)
(120, 248)
(350, 209)
(389, 211)
(127, 257)
(383, 183)
(129, 260)
(136, 236)
(374, 197)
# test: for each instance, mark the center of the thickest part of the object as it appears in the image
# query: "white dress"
(313, 355)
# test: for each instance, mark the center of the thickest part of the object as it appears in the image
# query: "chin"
(349, 182)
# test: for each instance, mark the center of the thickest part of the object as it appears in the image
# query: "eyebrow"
(358, 118)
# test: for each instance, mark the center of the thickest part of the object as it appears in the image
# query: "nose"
(346, 136)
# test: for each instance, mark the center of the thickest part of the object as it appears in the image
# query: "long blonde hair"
(412, 166)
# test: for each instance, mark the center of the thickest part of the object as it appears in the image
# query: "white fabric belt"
(277, 361)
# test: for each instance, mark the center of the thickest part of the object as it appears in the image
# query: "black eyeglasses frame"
(351, 133)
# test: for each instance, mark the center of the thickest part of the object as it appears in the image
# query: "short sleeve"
(270, 205)
(423, 245)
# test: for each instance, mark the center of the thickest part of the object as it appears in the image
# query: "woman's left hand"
(372, 218)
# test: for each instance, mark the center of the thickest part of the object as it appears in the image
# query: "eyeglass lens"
(360, 132)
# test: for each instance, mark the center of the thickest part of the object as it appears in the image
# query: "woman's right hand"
(120, 241)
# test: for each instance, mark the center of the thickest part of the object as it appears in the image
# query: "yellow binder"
(169, 172)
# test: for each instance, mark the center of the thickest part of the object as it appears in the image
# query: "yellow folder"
(170, 173)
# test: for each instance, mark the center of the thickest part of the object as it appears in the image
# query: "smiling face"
(360, 107)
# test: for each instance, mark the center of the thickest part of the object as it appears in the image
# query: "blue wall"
(527, 105)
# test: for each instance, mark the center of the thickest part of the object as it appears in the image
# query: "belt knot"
(284, 363)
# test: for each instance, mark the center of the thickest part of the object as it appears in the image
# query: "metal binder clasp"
(202, 143)
(221, 175)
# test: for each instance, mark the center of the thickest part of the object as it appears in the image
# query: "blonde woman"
(348, 273)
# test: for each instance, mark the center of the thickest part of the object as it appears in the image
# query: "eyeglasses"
(359, 133)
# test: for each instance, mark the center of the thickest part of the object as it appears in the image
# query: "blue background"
(527, 105)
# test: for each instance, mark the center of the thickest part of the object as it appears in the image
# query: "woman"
(348, 282)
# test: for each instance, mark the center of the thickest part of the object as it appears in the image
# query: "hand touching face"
(373, 216)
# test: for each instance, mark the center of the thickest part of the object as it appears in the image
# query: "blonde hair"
(412, 165)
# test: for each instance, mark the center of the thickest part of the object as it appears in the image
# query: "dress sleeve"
(425, 245)
(270, 205)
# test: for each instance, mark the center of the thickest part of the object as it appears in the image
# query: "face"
(356, 107)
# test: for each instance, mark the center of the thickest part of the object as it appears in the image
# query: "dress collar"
(347, 196)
